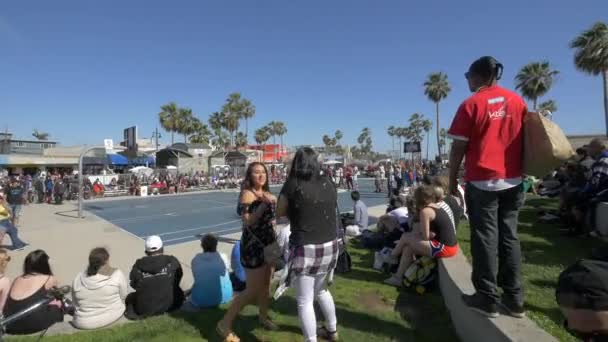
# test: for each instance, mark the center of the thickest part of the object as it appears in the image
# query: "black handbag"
(344, 264)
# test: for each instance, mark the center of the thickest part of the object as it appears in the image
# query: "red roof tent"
(272, 152)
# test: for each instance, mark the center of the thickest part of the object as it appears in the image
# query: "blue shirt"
(235, 262)
(361, 218)
(212, 285)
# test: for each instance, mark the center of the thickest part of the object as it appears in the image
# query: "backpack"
(422, 272)
(582, 294)
(584, 285)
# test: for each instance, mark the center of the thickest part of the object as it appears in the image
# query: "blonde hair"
(441, 184)
(4, 259)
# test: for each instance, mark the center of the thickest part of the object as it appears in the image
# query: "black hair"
(355, 195)
(209, 243)
(97, 258)
(248, 181)
(487, 68)
(37, 262)
(156, 252)
(581, 151)
(305, 165)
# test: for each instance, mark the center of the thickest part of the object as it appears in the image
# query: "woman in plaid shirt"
(309, 201)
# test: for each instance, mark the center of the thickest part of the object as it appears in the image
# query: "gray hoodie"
(99, 299)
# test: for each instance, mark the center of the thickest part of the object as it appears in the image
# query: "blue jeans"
(11, 230)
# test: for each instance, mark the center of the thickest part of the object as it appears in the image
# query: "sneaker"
(327, 335)
(393, 281)
(513, 309)
(480, 304)
(21, 247)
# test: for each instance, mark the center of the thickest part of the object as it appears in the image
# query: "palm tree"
(274, 128)
(185, 122)
(549, 105)
(247, 112)
(240, 140)
(40, 135)
(231, 124)
(216, 120)
(437, 88)
(534, 80)
(427, 125)
(443, 136)
(591, 56)
(391, 133)
(261, 137)
(338, 135)
(201, 133)
(281, 130)
(220, 138)
(169, 118)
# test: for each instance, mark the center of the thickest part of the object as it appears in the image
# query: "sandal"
(268, 324)
(227, 336)
(327, 335)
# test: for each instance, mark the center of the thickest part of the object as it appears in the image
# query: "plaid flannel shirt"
(314, 259)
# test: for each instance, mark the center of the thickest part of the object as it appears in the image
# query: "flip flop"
(227, 336)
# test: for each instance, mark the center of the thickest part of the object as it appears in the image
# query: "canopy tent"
(143, 161)
(332, 162)
(117, 160)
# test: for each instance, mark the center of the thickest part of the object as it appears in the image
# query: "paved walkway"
(68, 241)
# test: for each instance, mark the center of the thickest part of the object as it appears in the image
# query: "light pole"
(81, 177)
(156, 135)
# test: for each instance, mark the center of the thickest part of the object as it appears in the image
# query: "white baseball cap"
(153, 243)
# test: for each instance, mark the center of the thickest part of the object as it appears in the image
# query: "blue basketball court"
(182, 218)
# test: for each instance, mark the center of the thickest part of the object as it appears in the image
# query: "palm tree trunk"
(427, 146)
(605, 76)
(534, 101)
(281, 150)
(247, 130)
(274, 147)
(393, 154)
(171, 137)
(437, 126)
(185, 138)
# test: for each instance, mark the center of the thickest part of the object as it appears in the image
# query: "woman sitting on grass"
(99, 292)
(434, 235)
(5, 281)
(27, 290)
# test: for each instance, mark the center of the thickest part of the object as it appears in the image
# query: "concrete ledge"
(454, 280)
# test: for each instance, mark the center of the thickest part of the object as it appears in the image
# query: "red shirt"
(491, 121)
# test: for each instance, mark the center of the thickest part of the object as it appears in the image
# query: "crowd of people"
(424, 210)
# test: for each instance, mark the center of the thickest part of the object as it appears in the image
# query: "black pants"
(493, 216)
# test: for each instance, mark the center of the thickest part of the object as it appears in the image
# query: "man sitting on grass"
(361, 216)
(212, 285)
(155, 279)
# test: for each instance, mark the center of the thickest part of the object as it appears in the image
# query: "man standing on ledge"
(487, 129)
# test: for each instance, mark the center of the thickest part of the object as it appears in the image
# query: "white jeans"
(310, 288)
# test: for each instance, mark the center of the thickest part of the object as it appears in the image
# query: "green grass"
(546, 252)
(367, 310)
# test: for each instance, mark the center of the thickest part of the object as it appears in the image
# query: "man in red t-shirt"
(487, 130)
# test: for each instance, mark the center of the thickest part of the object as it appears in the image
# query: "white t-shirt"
(401, 214)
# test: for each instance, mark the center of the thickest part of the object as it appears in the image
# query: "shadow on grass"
(363, 322)
(205, 321)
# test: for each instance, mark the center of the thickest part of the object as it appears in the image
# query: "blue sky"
(83, 70)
